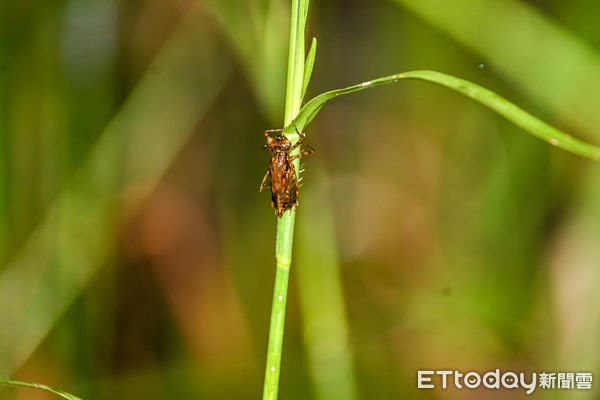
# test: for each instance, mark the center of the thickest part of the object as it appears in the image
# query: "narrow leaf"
(293, 99)
(480, 94)
(306, 4)
(309, 64)
(60, 393)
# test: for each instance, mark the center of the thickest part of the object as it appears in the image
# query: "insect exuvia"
(282, 173)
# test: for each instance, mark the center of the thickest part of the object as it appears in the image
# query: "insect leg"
(304, 153)
(301, 135)
(262, 185)
(299, 142)
(296, 128)
(272, 130)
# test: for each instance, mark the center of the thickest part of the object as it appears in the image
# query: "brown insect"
(282, 173)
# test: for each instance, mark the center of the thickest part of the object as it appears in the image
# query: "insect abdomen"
(288, 197)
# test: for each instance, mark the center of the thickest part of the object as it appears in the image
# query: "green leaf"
(305, 5)
(293, 98)
(60, 393)
(309, 64)
(480, 94)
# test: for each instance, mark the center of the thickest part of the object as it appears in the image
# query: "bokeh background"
(136, 252)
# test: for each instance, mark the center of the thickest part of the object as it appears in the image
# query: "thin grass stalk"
(30, 385)
(285, 224)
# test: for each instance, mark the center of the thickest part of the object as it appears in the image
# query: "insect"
(282, 173)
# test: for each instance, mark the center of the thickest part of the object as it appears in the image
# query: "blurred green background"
(136, 253)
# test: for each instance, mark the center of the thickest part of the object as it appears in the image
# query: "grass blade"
(64, 395)
(295, 77)
(305, 5)
(480, 94)
(308, 66)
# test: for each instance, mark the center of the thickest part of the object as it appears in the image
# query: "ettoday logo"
(496, 379)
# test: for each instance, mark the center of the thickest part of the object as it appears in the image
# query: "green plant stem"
(285, 224)
(283, 257)
(64, 395)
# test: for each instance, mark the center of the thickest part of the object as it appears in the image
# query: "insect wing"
(279, 179)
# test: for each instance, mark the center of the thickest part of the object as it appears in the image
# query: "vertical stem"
(283, 256)
(285, 224)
